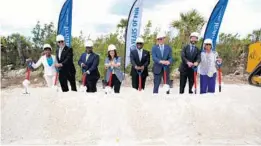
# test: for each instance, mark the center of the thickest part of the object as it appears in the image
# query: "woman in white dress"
(48, 61)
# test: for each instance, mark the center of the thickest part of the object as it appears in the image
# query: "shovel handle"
(165, 74)
(140, 80)
(28, 72)
(110, 80)
(195, 82)
(83, 79)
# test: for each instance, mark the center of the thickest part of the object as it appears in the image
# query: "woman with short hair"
(208, 68)
(48, 61)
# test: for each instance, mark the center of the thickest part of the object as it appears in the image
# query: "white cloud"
(21, 15)
(240, 16)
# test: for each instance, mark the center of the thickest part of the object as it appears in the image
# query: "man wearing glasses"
(162, 58)
(65, 66)
(190, 56)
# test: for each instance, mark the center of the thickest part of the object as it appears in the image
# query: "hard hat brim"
(47, 48)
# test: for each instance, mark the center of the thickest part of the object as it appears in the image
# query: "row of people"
(140, 59)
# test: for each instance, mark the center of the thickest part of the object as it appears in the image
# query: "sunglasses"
(160, 39)
(208, 44)
(60, 42)
(88, 47)
(139, 43)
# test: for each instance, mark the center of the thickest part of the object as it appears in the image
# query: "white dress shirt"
(140, 51)
(60, 52)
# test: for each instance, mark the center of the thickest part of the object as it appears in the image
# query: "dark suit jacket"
(186, 56)
(66, 60)
(156, 56)
(91, 65)
(135, 61)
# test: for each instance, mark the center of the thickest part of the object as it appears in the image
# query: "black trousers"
(64, 77)
(189, 74)
(91, 85)
(116, 84)
(135, 81)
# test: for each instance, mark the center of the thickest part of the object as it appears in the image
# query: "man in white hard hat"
(64, 57)
(140, 60)
(162, 58)
(190, 56)
(89, 62)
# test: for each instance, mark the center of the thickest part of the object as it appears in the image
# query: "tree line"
(15, 48)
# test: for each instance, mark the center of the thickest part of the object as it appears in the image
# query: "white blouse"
(48, 70)
(207, 65)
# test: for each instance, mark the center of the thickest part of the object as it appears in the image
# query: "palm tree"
(189, 22)
(121, 27)
(123, 23)
(256, 34)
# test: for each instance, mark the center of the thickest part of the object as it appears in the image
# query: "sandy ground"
(132, 118)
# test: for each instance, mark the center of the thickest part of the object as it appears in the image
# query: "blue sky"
(100, 17)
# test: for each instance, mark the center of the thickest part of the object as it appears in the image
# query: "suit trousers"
(64, 77)
(157, 81)
(91, 85)
(189, 74)
(135, 81)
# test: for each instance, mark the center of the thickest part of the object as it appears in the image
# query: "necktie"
(192, 49)
(162, 50)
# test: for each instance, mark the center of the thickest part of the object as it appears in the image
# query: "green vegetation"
(15, 48)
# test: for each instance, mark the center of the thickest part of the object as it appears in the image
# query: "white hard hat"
(139, 40)
(88, 43)
(160, 35)
(111, 47)
(47, 46)
(59, 38)
(194, 34)
(208, 41)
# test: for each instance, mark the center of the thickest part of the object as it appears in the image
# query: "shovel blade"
(108, 90)
(166, 87)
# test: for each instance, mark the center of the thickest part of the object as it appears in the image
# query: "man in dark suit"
(162, 58)
(140, 60)
(89, 62)
(190, 56)
(64, 57)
